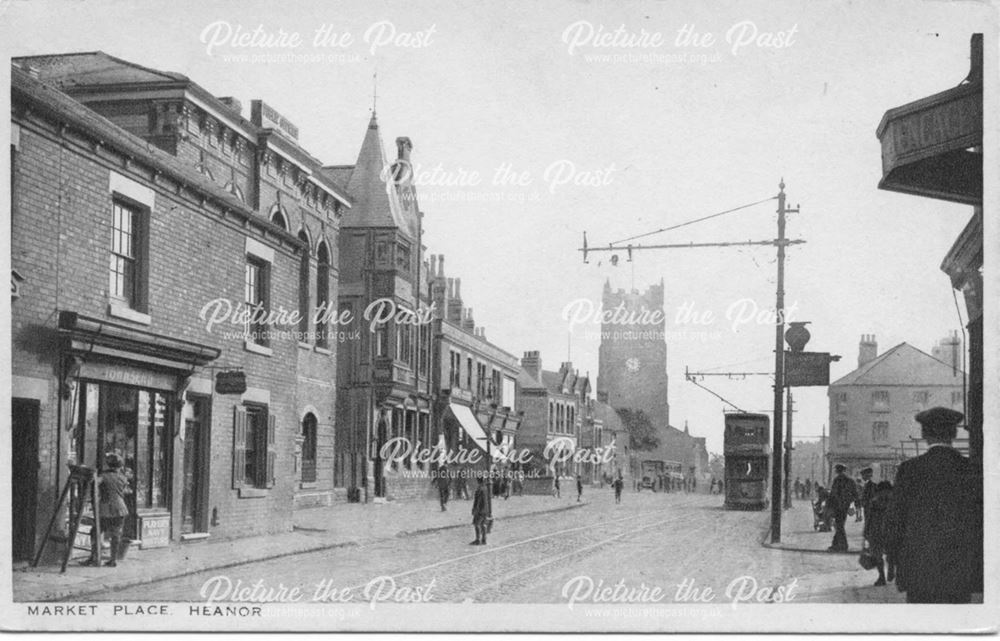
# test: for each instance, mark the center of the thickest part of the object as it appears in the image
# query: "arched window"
(305, 314)
(309, 448)
(322, 291)
(278, 217)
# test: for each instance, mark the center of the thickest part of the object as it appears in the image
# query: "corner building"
(140, 204)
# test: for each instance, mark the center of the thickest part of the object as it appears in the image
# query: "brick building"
(384, 385)
(474, 380)
(554, 404)
(872, 408)
(141, 205)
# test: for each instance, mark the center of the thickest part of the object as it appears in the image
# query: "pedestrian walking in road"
(480, 511)
(618, 485)
(112, 488)
(876, 529)
(935, 526)
(798, 488)
(711, 486)
(579, 488)
(443, 482)
(843, 494)
(555, 485)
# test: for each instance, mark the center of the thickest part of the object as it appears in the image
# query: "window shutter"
(271, 453)
(239, 446)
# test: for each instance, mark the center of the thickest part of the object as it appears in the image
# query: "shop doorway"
(24, 472)
(197, 439)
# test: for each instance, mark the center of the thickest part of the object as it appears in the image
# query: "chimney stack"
(532, 364)
(867, 349)
(468, 324)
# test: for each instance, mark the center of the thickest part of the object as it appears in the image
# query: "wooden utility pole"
(788, 452)
(779, 369)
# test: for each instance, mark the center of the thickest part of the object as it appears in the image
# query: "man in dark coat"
(843, 493)
(935, 528)
(480, 512)
(443, 483)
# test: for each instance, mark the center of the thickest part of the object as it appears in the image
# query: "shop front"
(124, 391)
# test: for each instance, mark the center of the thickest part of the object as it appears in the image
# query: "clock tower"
(632, 362)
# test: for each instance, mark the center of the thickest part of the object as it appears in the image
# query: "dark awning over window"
(86, 336)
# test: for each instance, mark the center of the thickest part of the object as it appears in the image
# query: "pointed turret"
(376, 203)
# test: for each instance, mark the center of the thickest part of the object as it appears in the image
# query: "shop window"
(322, 292)
(880, 432)
(128, 255)
(253, 447)
(257, 298)
(134, 423)
(309, 448)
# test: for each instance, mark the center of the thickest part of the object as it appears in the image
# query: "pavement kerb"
(63, 593)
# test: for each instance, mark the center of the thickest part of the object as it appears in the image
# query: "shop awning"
(468, 421)
(94, 337)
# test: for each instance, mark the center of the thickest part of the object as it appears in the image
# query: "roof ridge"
(173, 75)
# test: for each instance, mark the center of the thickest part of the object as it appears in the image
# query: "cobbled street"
(648, 541)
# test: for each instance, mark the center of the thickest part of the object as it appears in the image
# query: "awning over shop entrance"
(468, 421)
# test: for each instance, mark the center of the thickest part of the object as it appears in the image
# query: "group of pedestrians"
(925, 531)
(805, 489)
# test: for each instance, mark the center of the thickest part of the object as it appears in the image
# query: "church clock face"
(632, 365)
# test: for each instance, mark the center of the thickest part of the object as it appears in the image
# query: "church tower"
(632, 361)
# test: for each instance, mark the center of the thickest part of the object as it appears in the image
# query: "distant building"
(872, 408)
(632, 375)
(554, 404)
(474, 380)
(632, 361)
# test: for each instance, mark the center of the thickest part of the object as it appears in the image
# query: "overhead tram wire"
(696, 220)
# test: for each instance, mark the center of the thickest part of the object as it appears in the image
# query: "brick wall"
(60, 244)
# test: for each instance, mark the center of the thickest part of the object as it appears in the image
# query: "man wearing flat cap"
(935, 519)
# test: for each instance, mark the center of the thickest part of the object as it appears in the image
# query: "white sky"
(497, 85)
